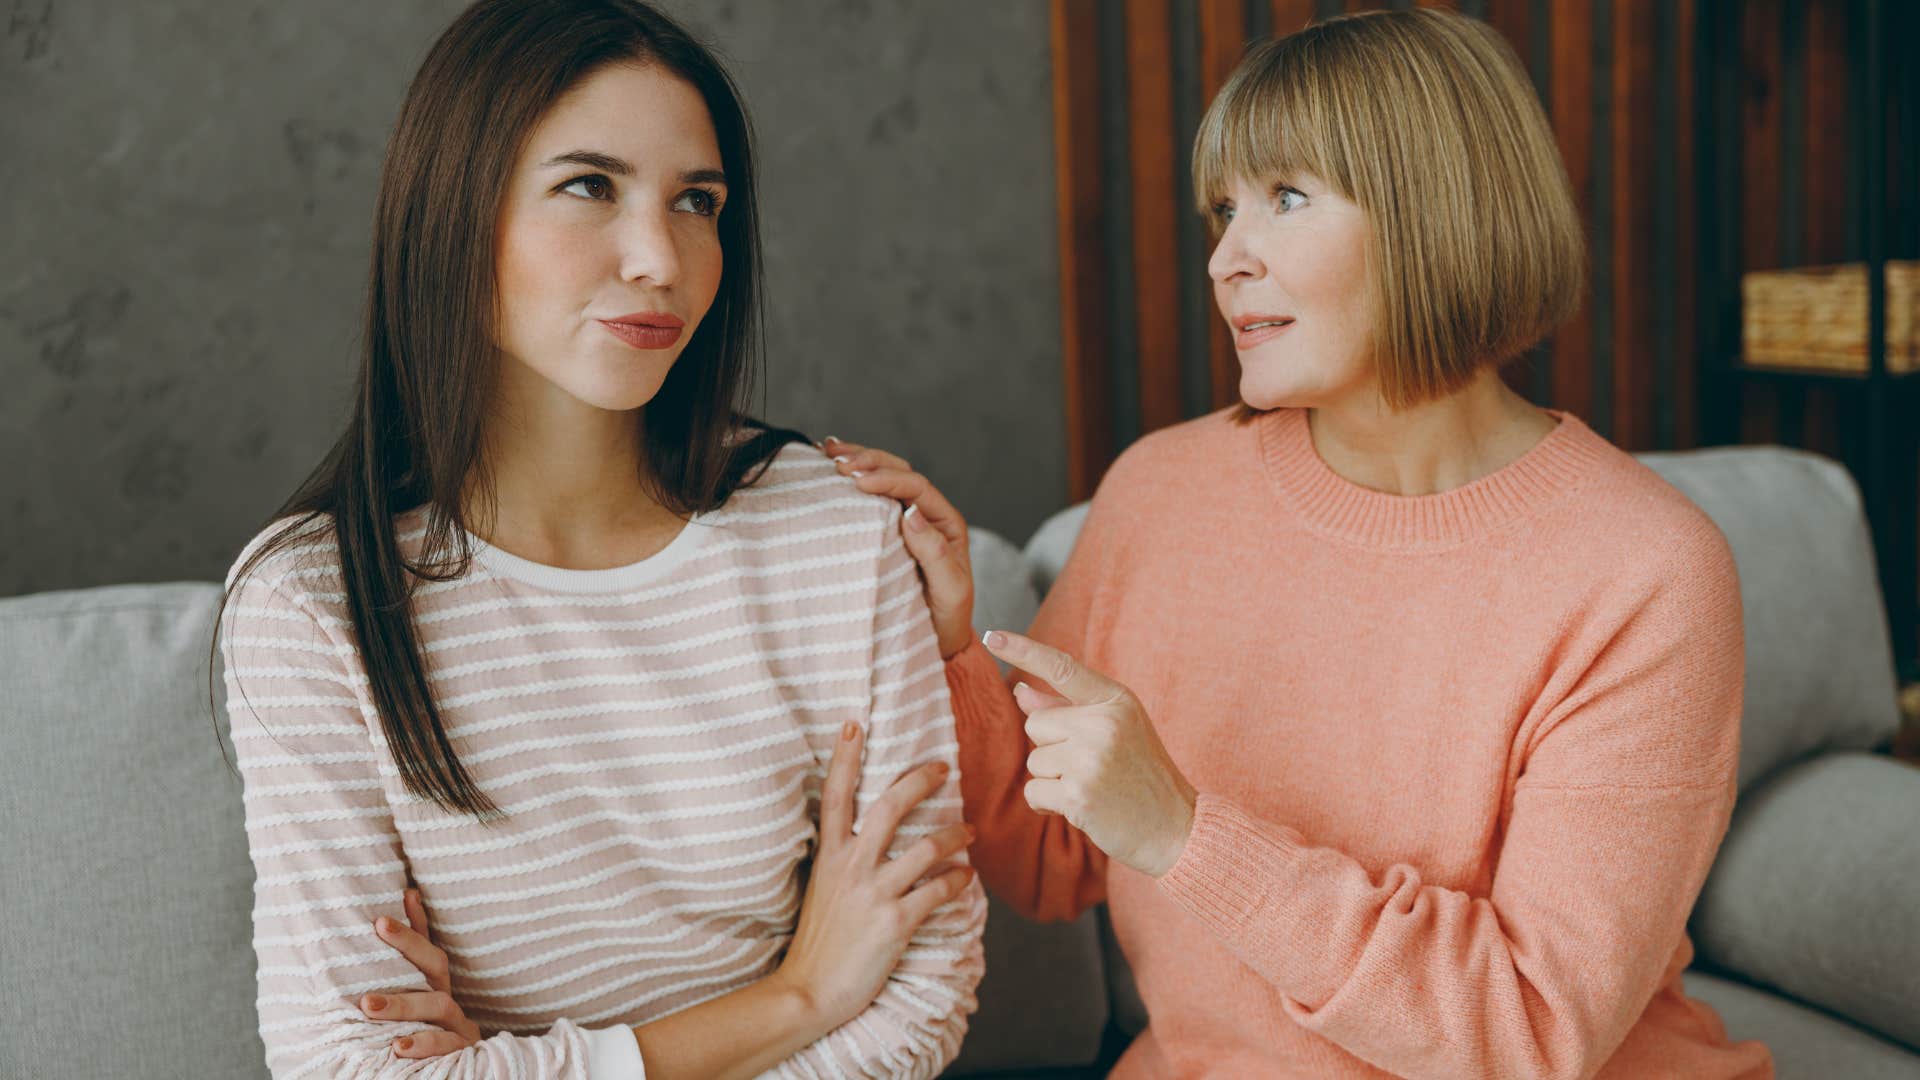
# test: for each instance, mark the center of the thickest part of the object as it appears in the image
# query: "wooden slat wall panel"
(1762, 61)
(1686, 361)
(1156, 234)
(1634, 197)
(1291, 15)
(1223, 37)
(1570, 104)
(1825, 183)
(1081, 191)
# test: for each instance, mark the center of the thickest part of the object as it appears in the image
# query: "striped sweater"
(657, 734)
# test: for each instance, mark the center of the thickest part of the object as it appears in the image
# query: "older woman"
(1395, 718)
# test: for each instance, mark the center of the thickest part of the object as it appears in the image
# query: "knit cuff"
(1230, 862)
(976, 687)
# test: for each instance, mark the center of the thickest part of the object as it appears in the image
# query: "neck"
(567, 485)
(1433, 447)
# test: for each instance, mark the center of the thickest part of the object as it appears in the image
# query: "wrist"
(793, 1006)
(1180, 828)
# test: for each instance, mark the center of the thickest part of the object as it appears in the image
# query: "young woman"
(559, 646)
(1395, 718)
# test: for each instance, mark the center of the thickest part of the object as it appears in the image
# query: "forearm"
(741, 1034)
(1039, 864)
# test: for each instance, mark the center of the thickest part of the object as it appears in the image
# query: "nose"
(649, 249)
(1230, 258)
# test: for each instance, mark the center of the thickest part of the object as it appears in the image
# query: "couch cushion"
(1819, 663)
(1807, 1044)
(1817, 887)
(128, 887)
(1004, 596)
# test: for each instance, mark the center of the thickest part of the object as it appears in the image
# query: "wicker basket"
(1816, 317)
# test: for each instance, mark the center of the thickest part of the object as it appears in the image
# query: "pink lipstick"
(646, 329)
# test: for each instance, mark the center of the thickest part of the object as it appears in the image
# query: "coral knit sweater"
(1464, 760)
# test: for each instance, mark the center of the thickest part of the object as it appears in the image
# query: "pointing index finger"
(1069, 678)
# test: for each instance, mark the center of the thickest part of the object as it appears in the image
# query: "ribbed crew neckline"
(1335, 506)
(607, 580)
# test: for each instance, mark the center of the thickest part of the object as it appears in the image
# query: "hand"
(861, 908)
(935, 534)
(415, 942)
(1096, 759)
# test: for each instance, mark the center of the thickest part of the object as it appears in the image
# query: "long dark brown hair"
(415, 433)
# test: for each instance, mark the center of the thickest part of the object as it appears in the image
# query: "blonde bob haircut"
(1425, 120)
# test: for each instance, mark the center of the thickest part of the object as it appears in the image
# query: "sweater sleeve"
(1038, 864)
(1625, 794)
(914, 1028)
(327, 858)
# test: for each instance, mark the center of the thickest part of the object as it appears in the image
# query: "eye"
(1280, 198)
(699, 201)
(1223, 212)
(589, 181)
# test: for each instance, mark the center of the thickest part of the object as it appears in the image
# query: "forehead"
(641, 112)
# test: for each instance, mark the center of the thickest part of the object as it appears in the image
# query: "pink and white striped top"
(657, 734)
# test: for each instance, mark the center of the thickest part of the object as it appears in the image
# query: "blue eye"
(1280, 196)
(1223, 212)
(594, 179)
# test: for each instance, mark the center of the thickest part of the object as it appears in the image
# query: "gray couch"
(126, 949)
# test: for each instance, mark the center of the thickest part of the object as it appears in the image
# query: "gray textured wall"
(187, 189)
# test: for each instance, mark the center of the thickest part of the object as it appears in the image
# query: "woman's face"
(1294, 253)
(611, 212)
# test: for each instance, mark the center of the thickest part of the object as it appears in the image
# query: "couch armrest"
(1817, 890)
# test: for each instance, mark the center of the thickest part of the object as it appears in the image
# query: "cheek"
(704, 264)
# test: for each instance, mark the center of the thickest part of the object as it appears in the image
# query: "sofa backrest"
(1820, 672)
(127, 886)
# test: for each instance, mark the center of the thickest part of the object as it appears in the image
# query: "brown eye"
(698, 201)
(592, 183)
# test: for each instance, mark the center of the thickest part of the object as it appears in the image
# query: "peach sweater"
(1464, 760)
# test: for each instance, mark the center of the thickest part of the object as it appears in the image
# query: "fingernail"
(849, 730)
(940, 768)
(914, 520)
(830, 438)
(405, 1043)
(856, 474)
(994, 639)
(841, 460)
(375, 1003)
(383, 924)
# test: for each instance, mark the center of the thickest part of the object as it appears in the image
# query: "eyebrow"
(593, 159)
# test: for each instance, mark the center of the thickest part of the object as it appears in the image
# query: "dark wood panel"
(1570, 103)
(1824, 207)
(1081, 195)
(1634, 195)
(1223, 41)
(1761, 64)
(1291, 15)
(1156, 233)
(1686, 360)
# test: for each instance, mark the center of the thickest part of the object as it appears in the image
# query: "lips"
(646, 329)
(1252, 330)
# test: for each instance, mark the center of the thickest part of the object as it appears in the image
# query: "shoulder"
(287, 549)
(800, 491)
(1645, 530)
(1170, 452)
